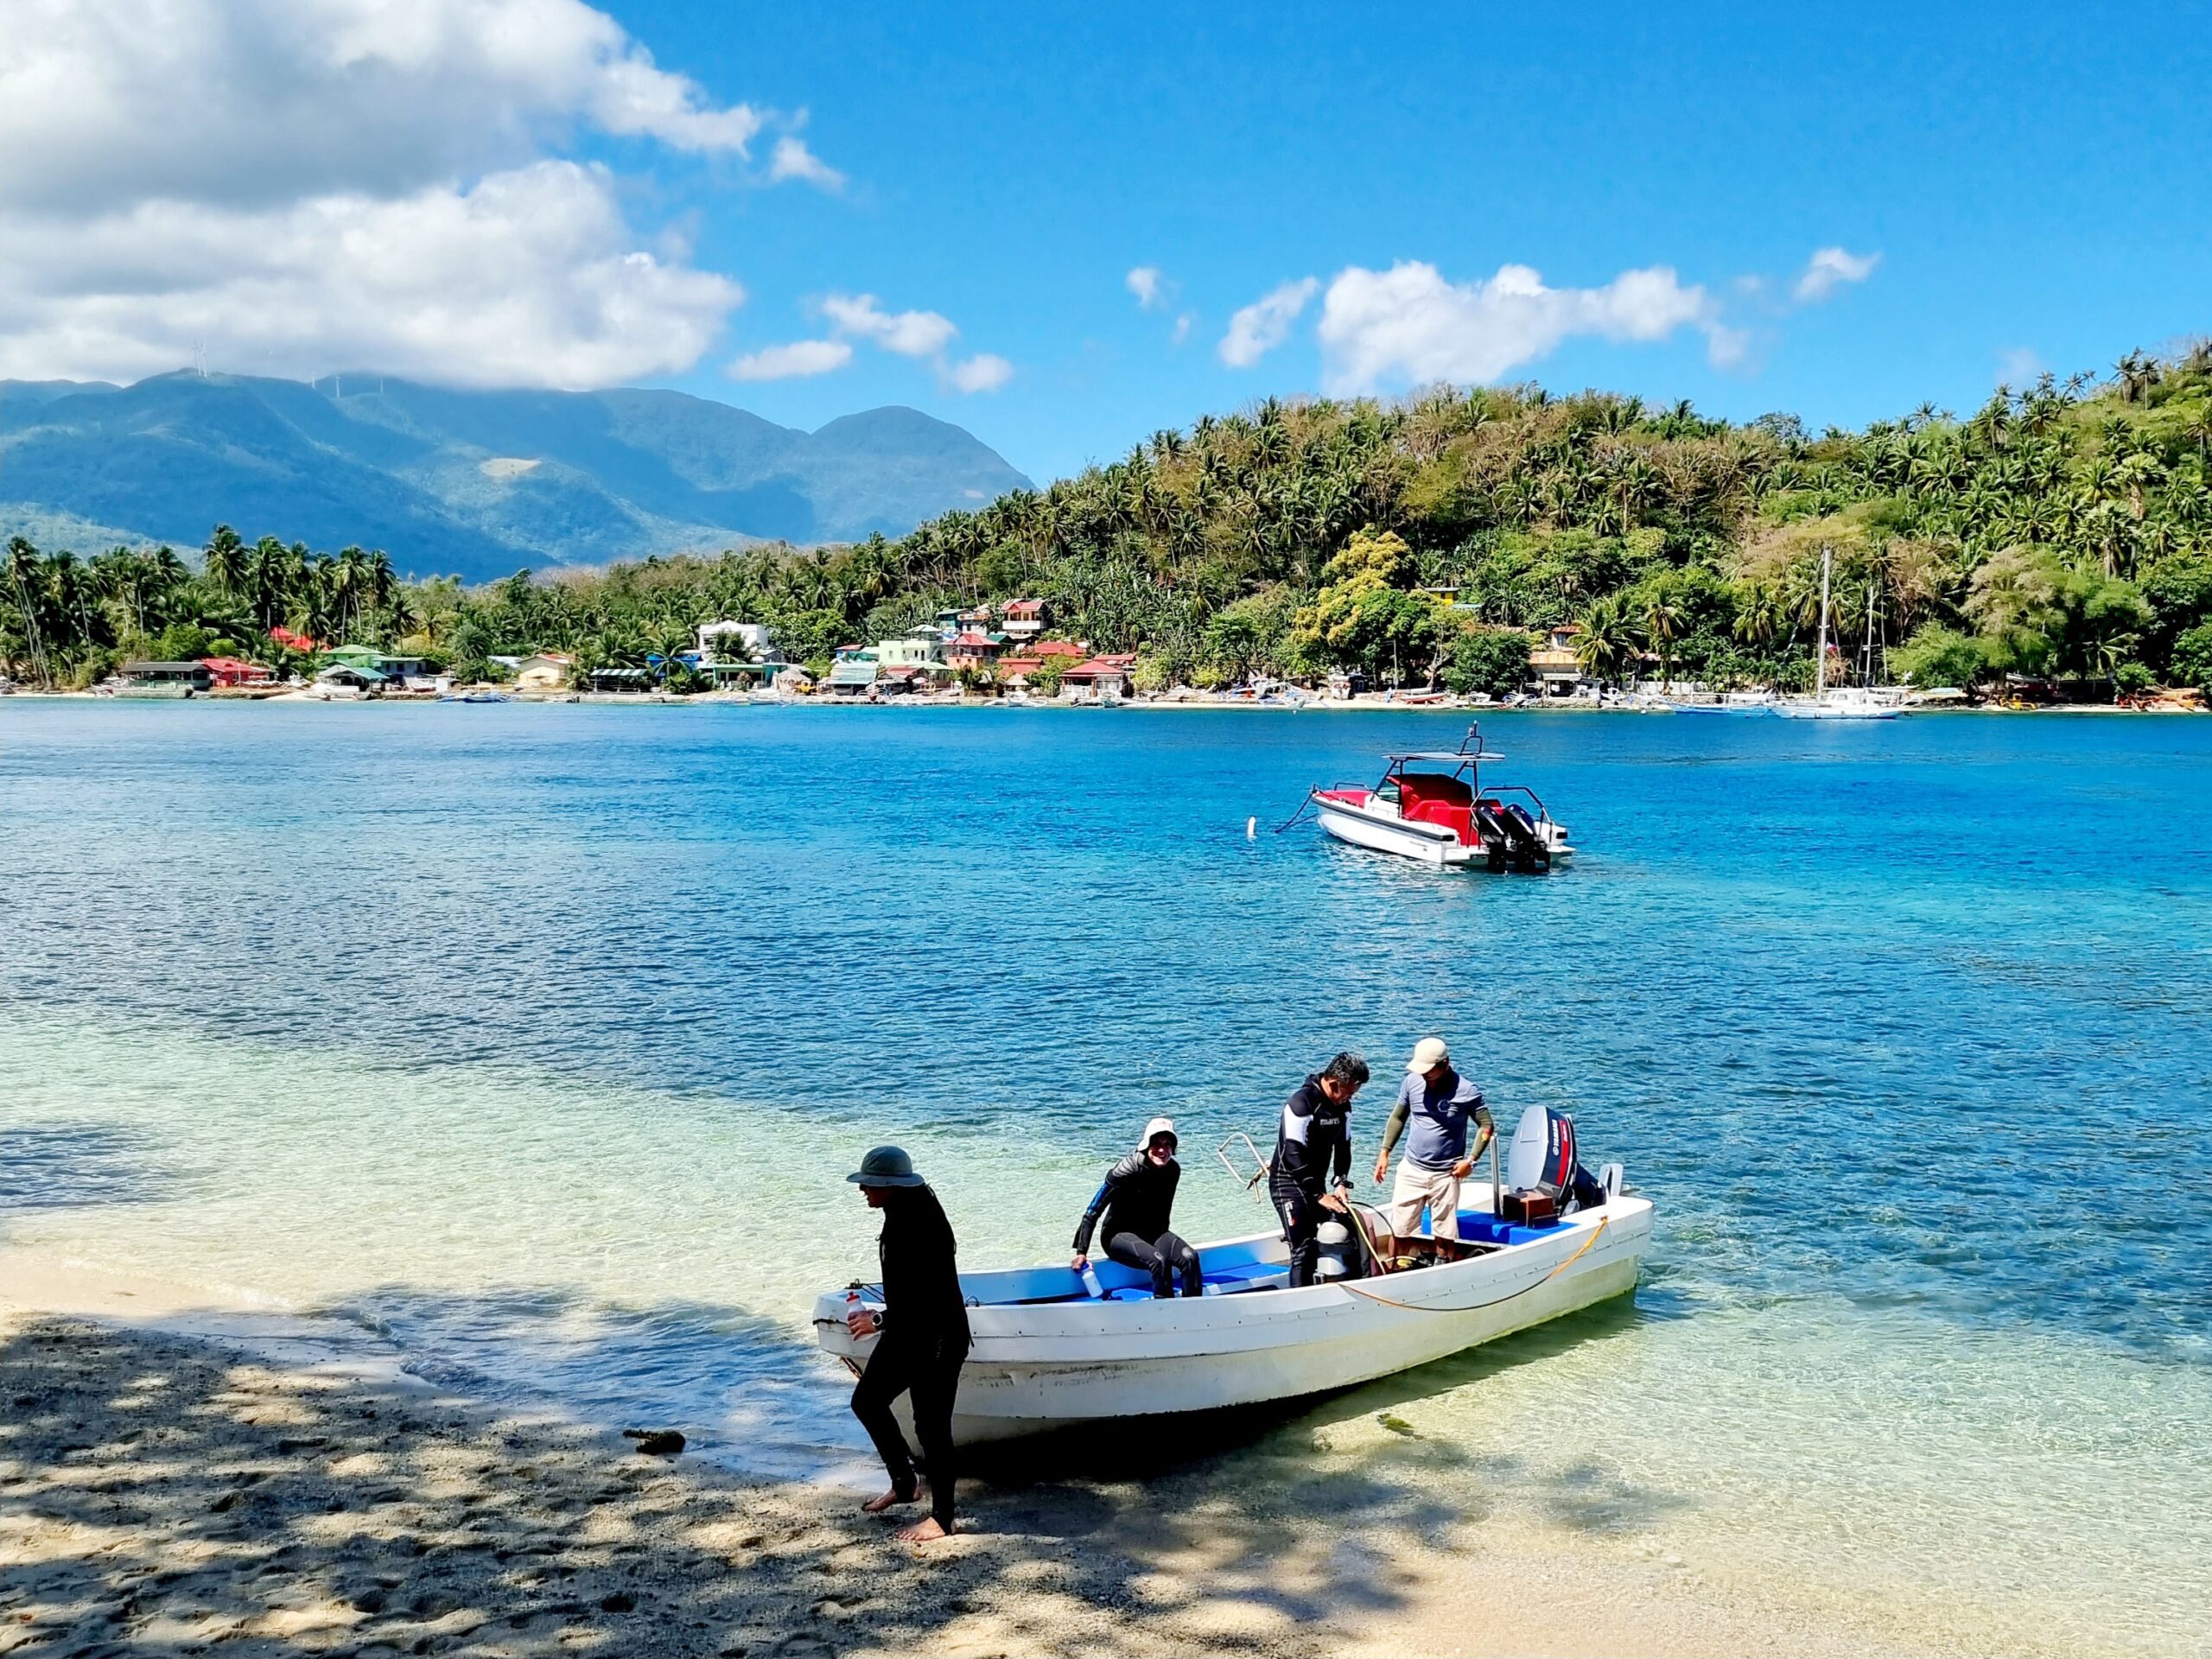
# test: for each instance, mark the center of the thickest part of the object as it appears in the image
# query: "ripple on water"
(541, 1039)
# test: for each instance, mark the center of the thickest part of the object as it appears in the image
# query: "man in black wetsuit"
(924, 1342)
(1313, 1154)
(1138, 1198)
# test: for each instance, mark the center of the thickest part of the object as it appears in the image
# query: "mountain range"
(474, 484)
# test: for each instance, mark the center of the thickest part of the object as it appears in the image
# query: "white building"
(752, 640)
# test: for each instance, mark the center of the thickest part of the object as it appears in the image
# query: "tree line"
(2061, 529)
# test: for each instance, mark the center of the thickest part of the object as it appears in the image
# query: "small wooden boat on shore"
(1053, 1348)
(1430, 805)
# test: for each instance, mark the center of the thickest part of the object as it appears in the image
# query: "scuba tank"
(1333, 1257)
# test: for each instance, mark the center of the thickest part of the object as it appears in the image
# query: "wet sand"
(165, 1493)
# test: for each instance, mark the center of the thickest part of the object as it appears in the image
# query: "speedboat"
(1430, 805)
(1053, 1348)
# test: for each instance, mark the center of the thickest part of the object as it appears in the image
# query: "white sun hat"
(1158, 1127)
(1428, 1054)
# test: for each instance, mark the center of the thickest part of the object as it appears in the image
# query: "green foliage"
(1939, 656)
(1364, 615)
(182, 642)
(2193, 657)
(2133, 679)
(2059, 529)
(1492, 660)
(1045, 678)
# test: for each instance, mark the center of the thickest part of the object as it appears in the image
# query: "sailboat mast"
(1866, 654)
(1820, 651)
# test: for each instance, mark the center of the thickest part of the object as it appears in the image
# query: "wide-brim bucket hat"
(886, 1167)
(1158, 1127)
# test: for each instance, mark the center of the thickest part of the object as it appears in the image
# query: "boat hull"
(1052, 1365)
(1424, 843)
(1803, 711)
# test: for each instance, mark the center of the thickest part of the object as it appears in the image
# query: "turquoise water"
(539, 1038)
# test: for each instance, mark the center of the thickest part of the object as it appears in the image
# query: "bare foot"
(923, 1532)
(890, 1499)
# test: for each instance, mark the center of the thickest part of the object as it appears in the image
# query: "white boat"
(1445, 817)
(1843, 702)
(1053, 1348)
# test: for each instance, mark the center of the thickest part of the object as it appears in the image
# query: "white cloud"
(910, 333)
(269, 100)
(529, 277)
(1409, 325)
(2020, 366)
(1146, 283)
(303, 185)
(981, 372)
(1183, 327)
(1260, 326)
(792, 159)
(925, 334)
(1829, 269)
(792, 361)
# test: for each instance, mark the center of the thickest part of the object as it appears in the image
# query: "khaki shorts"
(1436, 1188)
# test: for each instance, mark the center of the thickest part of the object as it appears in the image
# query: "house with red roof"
(1022, 619)
(233, 670)
(293, 641)
(972, 649)
(1100, 677)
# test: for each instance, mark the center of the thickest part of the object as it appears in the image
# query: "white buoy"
(1252, 829)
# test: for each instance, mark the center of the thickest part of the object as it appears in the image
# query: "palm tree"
(225, 561)
(1607, 647)
(1663, 625)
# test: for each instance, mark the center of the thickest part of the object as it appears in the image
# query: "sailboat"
(1844, 701)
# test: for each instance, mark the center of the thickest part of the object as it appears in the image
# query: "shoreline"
(1317, 705)
(180, 1472)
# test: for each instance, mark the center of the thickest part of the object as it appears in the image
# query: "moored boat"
(1430, 805)
(1843, 702)
(1053, 1348)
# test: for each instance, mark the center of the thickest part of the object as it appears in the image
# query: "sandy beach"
(168, 1491)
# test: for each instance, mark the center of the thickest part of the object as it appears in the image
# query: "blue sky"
(1839, 214)
(2039, 190)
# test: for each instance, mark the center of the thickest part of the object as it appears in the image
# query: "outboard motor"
(1542, 1159)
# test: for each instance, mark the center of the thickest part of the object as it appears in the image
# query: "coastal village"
(984, 653)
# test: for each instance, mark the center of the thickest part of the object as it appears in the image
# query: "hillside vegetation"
(2061, 531)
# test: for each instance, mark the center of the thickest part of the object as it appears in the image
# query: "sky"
(1067, 228)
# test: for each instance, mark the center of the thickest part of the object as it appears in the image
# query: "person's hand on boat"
(1082, 1263)
(862, 1323)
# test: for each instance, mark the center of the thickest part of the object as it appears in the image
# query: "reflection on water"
(541, 1038)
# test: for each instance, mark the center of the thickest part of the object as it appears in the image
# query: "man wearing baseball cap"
(1138, 1200)
(1437, 1102)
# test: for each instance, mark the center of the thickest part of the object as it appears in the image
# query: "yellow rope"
(1603, 1221)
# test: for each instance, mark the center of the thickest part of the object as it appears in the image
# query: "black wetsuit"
(1312, 1149)
(923, 1345)
(1138, 1198)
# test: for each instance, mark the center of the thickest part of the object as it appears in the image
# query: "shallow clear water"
(541, 1037)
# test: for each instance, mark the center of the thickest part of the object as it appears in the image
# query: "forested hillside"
(2063, 529)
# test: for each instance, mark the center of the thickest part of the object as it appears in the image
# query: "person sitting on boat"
(1311, 1171)
(1137, 1198)
(924, 1338)
(1437, 1103)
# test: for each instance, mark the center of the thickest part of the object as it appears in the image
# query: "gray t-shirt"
(1438, 1118)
